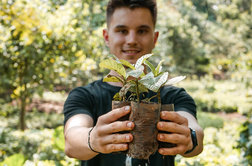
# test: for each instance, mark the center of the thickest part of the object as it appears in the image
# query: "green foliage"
(209, 120)
(245, 142)
(14, 160)
(58, 138)
(219, 96)
(218, 148)
(140, 83)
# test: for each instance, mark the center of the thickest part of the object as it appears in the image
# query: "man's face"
(130, 33)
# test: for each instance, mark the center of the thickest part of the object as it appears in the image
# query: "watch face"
(194, 138)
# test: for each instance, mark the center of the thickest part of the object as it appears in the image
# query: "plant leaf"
(127, 64)
(113, 65)
(110, 78)
(159, 67)
(136, 73)
(14, 160)
(175, 80)
(155, 83)
(146, 62)
(123, 91)
(117, 97)
(113, 56)
(141, 60)
(141, 88)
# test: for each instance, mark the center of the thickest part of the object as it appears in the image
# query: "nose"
(132, 38)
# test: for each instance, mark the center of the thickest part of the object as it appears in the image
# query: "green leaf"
(127, 64)
(110, 78)
(113, 65)
(151, 67)
(117, 97)
(141, 88)
(141, 60)
(58, 138)
(14, 160)
(159, 68)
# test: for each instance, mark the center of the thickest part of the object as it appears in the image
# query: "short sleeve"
(180, 98)
(79, 101)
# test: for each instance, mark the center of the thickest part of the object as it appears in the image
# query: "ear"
(156, 34)
(106, 36)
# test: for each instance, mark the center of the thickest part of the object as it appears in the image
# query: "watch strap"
(194, 141)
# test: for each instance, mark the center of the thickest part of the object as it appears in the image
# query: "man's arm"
(180, 133)
(102, 138)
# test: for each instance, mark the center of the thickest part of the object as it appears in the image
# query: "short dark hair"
(132, 4)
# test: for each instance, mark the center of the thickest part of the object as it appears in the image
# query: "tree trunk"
(22, 113)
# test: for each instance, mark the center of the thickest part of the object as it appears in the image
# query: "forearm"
(200, 135)
(193, 124)
(76, 145)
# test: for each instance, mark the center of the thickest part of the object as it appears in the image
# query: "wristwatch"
(194, 141)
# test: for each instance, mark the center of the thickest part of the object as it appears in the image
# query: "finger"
(173, 127)
(180, 149)
(117, 126)
(174, 138)
(118, 138)
(173, 117)
(113, 115)
(115, 148)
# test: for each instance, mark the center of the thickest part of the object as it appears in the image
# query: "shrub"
(218, 148)
(245, 142)
(209, 120)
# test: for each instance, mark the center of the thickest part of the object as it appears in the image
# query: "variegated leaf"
(124, 90)
(127, 64)
(136, 73)
(141, 88)
(113, 65)
(154, 84)
(117, 97)
(146, 62)
(114, 57)
(175, 80)
(159, 68)
(141, 60)
(110, 78)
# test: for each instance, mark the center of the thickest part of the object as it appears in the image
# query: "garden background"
(48, 47)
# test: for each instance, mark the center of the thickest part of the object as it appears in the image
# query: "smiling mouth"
(131, 52)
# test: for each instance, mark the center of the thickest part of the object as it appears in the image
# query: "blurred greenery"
(48, 47)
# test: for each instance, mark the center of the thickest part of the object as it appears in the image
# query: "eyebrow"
(123, 26)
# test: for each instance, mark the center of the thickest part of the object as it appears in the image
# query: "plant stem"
(137, 91)
(159, 96)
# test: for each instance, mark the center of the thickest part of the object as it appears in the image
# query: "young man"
(90, 124)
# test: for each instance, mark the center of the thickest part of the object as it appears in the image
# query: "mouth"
(131, 52)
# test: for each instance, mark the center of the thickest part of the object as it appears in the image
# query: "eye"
(142, 31)
(122, 31)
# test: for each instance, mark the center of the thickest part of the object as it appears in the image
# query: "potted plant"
(144, 114)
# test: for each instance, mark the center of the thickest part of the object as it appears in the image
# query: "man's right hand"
(105, 138)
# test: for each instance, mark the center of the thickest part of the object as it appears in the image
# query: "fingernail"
(161, 125)
(127, 108)
(162, 114)
(125, 146)
(128, 137)
(161, 151)
(161, 137)
(129, 125)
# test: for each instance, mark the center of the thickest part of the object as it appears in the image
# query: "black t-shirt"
(95, 99)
